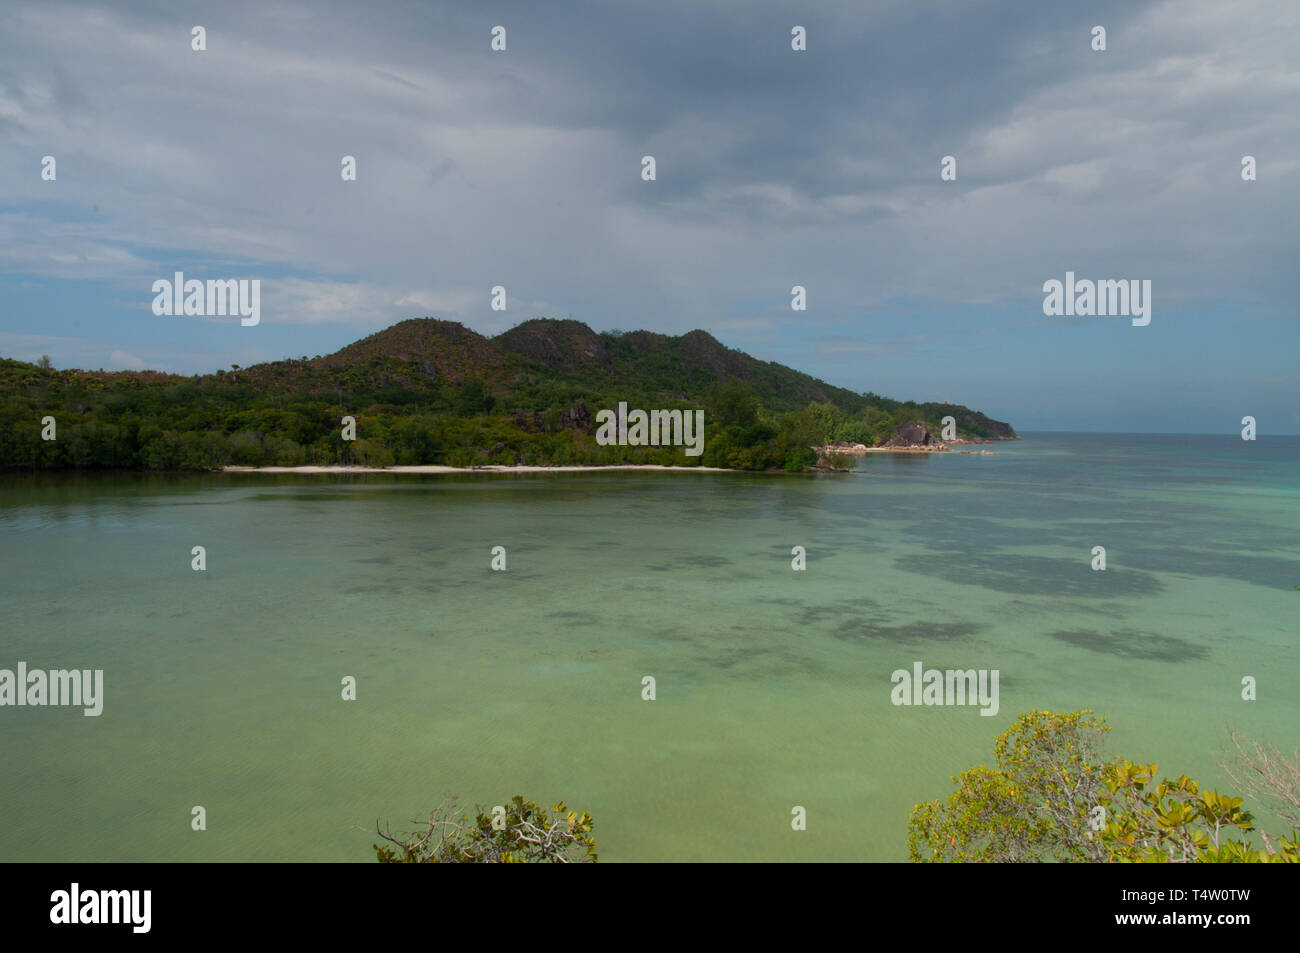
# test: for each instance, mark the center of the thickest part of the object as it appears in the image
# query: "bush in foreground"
(524, 834)
(1055, 796)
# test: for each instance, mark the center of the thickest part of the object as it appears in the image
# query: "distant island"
(432, 393)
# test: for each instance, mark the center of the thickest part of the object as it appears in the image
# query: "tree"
(44, 362)
(1054, 796)
(875, 424)
(1034, 806)
(1150, 821)
(474, 398)
(799, 432)
(828, 420)
(523, 833)
(733, 404)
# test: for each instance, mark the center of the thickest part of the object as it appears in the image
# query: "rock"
(577, 417)
(528, 423)
(914, 433)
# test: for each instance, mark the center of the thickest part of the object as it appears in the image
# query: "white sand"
(486, 469)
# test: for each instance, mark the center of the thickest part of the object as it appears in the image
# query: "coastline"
(587, 468)
(497, 468)
(858, 450)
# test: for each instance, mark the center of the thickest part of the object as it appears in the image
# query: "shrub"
(1054, 796)
(523, 833)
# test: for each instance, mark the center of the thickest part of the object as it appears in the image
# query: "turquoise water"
(773, 686)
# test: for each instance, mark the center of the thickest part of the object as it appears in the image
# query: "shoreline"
(858, 450)
(584, 468)
(494, 468)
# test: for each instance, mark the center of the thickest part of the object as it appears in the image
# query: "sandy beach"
(533, 469)
(485, 469)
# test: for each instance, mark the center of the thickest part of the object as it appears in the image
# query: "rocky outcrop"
(577, 417)
(568, 346)
(911, 435)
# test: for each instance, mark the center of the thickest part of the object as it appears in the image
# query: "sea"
(772, 693)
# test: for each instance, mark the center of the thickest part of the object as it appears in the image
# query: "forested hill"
(430, 391)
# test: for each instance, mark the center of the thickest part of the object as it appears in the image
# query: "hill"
(431, 391)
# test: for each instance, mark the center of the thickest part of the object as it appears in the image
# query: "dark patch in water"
(575, 618)
(1131, 643)
(1268, 571)
(1031, 575)
(1107, 609)
(1110, 610)
(976, 534)
(911, 632)
(821, 548)
(304, 497)
(747, 661)
(698, 562)
(815, 614)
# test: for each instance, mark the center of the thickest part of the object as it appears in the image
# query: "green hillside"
(435, 392)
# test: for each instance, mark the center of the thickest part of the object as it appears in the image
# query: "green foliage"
(732, 404)
(1172, 821)
(1053, 785)
(474, 398)
(433, 392)
(1033, 806)
(526, 834)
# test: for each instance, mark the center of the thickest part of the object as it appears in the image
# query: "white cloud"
(358, 304)
(124, 360)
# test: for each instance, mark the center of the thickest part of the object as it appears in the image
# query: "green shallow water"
(223, 687)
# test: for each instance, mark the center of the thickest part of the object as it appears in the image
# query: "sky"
(774, 168)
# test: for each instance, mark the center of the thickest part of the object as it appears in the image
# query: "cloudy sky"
(775, 168)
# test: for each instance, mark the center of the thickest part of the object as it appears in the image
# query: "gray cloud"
(775, 168)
